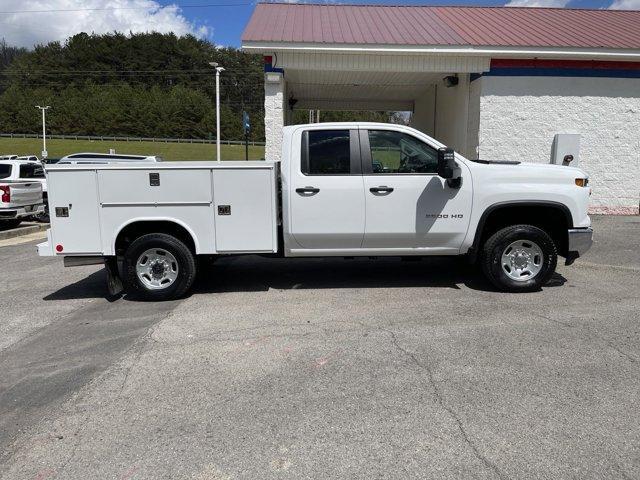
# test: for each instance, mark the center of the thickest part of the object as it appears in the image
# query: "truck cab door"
(408, 206)
(326, 191)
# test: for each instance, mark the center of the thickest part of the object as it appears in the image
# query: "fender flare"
(473, 251)
(156, 219)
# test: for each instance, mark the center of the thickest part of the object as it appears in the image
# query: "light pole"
(44, 131)
(218, 70)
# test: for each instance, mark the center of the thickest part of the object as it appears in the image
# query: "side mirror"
(448, 168)
(446, 162)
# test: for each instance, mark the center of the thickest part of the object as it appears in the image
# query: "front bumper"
(580, 241)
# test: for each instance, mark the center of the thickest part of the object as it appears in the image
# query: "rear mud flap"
(114, 282)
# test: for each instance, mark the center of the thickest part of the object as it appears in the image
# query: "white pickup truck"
(18, 201)
(341, 189)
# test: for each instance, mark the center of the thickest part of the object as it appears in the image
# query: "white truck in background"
(19, 201)
(27, 169)
(341, 189)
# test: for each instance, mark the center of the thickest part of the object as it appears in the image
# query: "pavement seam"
(440, 400)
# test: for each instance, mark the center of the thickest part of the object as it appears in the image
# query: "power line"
(159, 7)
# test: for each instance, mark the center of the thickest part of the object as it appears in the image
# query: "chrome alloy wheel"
(157, 268)
(522, 260)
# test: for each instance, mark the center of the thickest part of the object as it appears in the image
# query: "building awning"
(482, 31)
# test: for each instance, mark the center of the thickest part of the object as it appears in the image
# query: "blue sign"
(246, 124)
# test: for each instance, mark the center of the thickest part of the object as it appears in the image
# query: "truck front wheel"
(158, 266)
(519, 258)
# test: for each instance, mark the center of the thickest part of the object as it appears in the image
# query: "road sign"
(246, 123)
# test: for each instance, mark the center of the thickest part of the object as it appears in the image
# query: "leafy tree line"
(147, 84)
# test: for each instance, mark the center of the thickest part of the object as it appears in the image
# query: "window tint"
(31, 171)
(396, 152)
(5, 170)
(329, 153)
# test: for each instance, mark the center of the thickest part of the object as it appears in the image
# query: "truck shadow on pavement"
(252, 274)
(93, 286)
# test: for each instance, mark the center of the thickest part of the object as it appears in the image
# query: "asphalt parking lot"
(323, 369)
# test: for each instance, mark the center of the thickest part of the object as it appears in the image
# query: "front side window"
(31, 171)
(328, 153)
(397, 152)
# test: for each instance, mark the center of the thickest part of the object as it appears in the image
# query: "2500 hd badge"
(444, 215)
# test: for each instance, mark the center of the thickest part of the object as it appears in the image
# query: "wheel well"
(136, 229)
(553, 219)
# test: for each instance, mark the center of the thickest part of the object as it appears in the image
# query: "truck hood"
(553, 169)
(537, 169)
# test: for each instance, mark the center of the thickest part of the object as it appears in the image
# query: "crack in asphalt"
(441, 401)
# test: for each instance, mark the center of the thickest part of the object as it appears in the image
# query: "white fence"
(128, 139)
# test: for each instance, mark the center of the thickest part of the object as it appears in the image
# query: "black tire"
(496, 245)
(9, 224)
(186, 266)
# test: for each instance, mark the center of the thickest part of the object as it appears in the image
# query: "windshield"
(5, 170)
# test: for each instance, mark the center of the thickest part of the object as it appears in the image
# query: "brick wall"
(520, 115)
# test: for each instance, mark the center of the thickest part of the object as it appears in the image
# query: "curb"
(20, 231)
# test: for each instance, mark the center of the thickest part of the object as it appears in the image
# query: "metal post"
(218, 70)
(44, 131)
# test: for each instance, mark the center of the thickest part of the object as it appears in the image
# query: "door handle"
(304, 190)
(381, 189)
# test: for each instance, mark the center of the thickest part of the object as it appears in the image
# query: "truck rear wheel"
(158, 266)
(519, 258)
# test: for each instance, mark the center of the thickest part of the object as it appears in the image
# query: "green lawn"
(168, 151)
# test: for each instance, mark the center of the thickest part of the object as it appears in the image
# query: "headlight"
(582, 182)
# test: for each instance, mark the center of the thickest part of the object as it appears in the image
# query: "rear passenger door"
(326, 191)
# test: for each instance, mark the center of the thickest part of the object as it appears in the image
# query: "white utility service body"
(341, 189)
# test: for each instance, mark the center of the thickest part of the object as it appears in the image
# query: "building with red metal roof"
(489, 81)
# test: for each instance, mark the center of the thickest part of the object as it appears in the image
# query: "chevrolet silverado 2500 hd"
(341, 189)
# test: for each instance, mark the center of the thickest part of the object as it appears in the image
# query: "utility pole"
(218, 70)
(44, 131)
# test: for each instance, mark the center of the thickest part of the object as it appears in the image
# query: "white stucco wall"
(520, 115)
(274, 117)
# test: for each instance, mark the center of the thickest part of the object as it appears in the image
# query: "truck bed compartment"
(227, 207)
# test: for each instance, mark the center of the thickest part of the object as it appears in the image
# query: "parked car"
(341, 189)
(100, 158)
(8, 157)
(18, 201)
(24, 170)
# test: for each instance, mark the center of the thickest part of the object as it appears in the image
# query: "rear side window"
(31, 171)
(5, 170)
(328, 152)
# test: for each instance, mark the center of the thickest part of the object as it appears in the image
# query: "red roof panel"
(471, 26)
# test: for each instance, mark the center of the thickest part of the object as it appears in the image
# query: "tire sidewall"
(522, 232)
(185, 259)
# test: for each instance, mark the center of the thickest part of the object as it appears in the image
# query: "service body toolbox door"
(245, 208)
(326, 192)
(73, 203)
